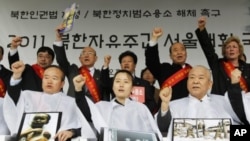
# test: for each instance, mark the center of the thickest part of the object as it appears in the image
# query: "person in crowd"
(148, 76)
(52, 99)
(199, 104)
(32, 75)
(5, 75)
(88, 58)
(128, 61)
(236, 97)
(167, 74)
(121, 112)
(232, 51)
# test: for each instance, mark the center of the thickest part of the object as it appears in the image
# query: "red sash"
(90, 83)
(38, 69)
(2, 88)
(176, 77)
(228, 67)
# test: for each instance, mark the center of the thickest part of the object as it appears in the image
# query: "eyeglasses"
(88, 53)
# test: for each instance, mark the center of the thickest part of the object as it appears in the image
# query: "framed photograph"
(112, 134)
(201, 129)
(39, 126)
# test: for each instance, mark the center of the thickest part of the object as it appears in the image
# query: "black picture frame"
(185, 129)
(39, 125)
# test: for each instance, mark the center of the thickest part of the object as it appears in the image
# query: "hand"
(64, 135)
(107, 59)
(202, 23)
(165, 95)
(15, 42)
(235, 76)
(79, 81)
(58, 34)
(156, 34)
(17, 69)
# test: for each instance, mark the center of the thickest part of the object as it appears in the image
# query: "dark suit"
(30, 80)
(163, 71)
(235, 99)
(5, 75)
(149, 92)
(72, 70)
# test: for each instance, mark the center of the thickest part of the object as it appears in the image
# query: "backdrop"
(114, 26)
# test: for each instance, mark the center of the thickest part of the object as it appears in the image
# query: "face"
(199, 82)
(147, 75)
(88, 57)
(122, 85)
(44, 59)
(178, 53)
(39, 120)
(52, 80)
(127, 63)
(232, 51)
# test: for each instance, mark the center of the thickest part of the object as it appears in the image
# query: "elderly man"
(199, 103)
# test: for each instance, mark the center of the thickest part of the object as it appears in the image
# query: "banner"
(114, 26)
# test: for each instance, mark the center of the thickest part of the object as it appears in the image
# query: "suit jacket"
(149, 91)
(221, 82)
(5, 75)
(236, 101)
(162, 71)
(72, 70)
(30, 80)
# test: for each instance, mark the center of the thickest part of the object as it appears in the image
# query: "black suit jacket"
(149, 91)
(72, 70)
(5, 75)
(30, 80)
(162, 71)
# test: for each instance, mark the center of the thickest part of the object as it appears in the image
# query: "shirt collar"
(91, 69)
(205, 98)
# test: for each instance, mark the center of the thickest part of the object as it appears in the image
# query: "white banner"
(114, 26)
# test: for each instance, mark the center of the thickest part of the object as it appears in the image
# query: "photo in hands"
(39, 126)
(112, 134)
(214, 129)
(69, 17)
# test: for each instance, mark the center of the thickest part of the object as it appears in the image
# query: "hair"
(123, 71)
(46, 49)
(2, 50)
(229, 40)
(208, 71)
(244, 57)
(57, 67)
(128, 53)
(170, 51)
(142, 71)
